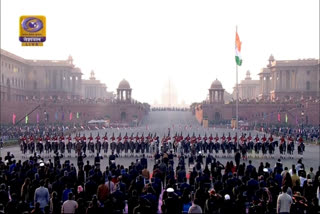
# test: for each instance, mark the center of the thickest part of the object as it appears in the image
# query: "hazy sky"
(148, 42)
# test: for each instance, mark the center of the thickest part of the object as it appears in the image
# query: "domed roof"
(124, 84)
(248, 75)
(271, 58)
(216, 84)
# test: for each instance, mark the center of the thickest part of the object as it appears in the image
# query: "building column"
(213, 96)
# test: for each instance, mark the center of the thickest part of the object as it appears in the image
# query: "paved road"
(160, 121)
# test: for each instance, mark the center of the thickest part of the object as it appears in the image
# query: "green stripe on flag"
(238, 61)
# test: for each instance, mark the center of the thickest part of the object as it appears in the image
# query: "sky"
(148, 42)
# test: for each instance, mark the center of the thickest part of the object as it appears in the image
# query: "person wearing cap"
(200, 158)
(299, 203)
(284, 202)
(213, 203)
(170, 202)
(227, 205)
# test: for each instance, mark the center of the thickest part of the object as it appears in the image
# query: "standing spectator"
(284, 202)
(25, 190)
(144, 161)
(311, 174)
(237, 158)
(37, 209)
(4, 197)
(55, 203)
(70, 205)
(65, 193)
(195, 208)
(94, 206)
(103, 191)
(295, 178)
(145, 173)
(41, 195)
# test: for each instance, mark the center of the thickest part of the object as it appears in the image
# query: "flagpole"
(237, 92)
(237, 101)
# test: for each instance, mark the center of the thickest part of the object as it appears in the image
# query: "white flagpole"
(237, 93)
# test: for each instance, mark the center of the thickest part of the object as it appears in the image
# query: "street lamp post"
(302, 117)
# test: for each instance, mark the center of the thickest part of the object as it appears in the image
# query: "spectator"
(284, 202)
(295, 178)
(102, 192)
(94, 206)
(25, 190)
(37, 209)
(4, 197)
(55, 203)
(311, 174)
(41, 195)
(195, 208)
(70, 205)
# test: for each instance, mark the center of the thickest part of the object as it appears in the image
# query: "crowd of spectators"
(34, 186)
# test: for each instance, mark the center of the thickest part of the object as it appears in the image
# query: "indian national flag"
(238, 50)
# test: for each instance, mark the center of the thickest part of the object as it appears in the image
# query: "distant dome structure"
(216, 84)
(124, 84)
(92, 75)
(248, 75)
(271, 58)
(216, 92)
(124, 91)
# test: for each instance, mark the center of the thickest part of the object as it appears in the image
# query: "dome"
(76, 70)
(248, 75)
(216, 84)
(124, 84)
(271, 58)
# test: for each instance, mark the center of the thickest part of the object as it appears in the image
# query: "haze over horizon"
(148, 42)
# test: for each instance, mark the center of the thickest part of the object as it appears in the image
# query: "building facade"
(23, 79)
(283, 79)
(284, 112)
(93, 88)
(55, 89)
(248, 88)
(290, 79)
